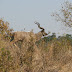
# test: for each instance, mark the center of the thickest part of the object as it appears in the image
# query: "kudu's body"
(27, 35)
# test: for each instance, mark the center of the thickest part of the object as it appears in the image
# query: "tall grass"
(42, 56)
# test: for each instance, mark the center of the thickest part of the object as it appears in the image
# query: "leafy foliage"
(5, 31)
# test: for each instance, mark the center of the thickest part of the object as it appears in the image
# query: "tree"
(65, 14)
(5, 31)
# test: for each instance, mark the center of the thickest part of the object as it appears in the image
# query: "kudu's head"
(41, 33)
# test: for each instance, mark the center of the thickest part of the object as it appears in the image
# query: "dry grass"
(27, 56)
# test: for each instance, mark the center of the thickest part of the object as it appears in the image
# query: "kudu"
(26, 35)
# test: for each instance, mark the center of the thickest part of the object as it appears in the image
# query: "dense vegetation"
(49, 54)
